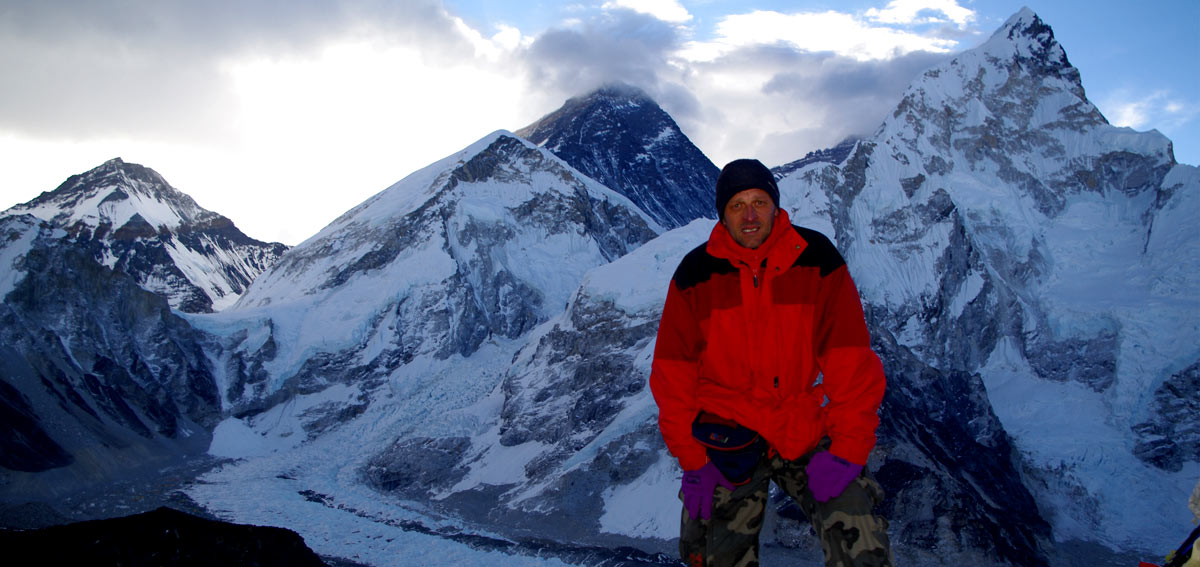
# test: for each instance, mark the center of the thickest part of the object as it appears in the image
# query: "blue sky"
(282, 116)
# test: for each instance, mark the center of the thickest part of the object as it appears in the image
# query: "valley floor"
(358, 528)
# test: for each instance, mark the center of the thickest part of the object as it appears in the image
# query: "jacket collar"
(783, 246)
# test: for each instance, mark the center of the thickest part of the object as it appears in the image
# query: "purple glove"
(698, 488)
(829, 475)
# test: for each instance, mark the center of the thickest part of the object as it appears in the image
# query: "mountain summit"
(129, 218)
(620, 137)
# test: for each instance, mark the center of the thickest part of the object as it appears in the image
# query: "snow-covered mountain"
(130, 219)
(459, 363)
(576, 434)
(975, 218)
(102, 380)
(998, 225)
(620, 137)
(482, 246)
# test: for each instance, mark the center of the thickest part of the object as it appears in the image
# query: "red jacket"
(745, 334)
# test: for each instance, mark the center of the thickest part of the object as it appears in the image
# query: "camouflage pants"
(851, 534)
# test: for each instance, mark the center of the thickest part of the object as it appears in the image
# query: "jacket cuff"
(850, 452)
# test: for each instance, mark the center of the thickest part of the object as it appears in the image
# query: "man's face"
(749, 216)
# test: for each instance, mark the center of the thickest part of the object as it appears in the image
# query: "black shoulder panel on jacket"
(698, 266)
(820, 253)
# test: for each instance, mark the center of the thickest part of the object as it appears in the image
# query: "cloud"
(1161, 108)
(835, 32)
(80, 70)
(767, 84)
(913, 12)
(616, 46)
(665, 10)
(176, 70)
(778, 103)
(776, 86)
(301, 109)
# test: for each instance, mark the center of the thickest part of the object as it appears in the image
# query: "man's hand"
(829, 475)
(698, 487)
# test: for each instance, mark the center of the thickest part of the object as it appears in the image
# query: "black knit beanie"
(740, 175)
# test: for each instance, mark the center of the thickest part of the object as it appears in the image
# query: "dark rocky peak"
(622, 138)
(1026, 30)
(616, 100)
(1027, 42)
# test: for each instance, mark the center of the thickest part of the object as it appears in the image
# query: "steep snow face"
(101, 380)
(568, 441)
(997, 224)
(130, 219)
(620, 137)
(485, 244)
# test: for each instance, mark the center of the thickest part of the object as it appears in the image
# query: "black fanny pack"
(734, 449)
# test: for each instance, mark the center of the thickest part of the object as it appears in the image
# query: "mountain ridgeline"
(127, 217)
(473, 342)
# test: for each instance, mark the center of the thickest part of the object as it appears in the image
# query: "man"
(763, 372)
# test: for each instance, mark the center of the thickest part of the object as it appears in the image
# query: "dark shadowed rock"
(160, 537)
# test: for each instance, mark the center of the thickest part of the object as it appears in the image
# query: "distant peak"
(621, 97)
(618, 91)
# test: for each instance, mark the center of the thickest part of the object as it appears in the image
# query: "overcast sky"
(283, 115)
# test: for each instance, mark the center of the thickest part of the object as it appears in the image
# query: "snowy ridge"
(113, 194)
(134, 221)
(1007, 229)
